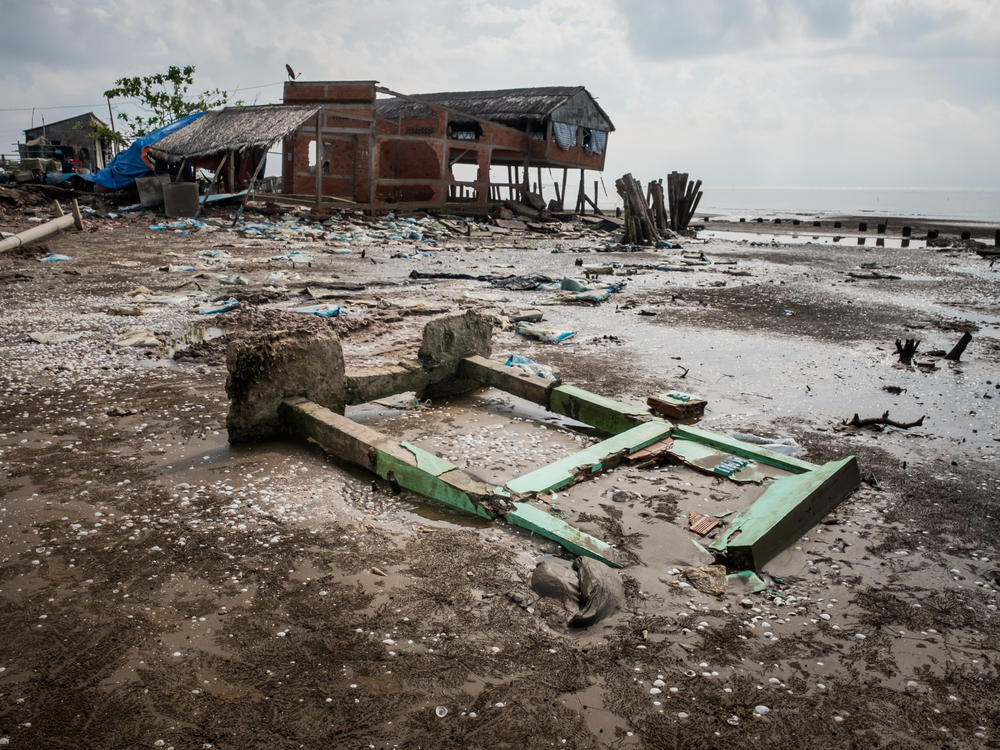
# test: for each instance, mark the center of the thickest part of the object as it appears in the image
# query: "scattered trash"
(708, 579)
(323, 311)
(530, 367)
(54, 258)
(590, 587)
(54, 337)
(440, 711)
(747, 581)
(142, 339)
(544, 333)
(219, 307)
(520, 283)
(787, 446)
(702, 525)
(880, 423)
(182, 226)
(730, 465)
(233, 280)
(677, 405)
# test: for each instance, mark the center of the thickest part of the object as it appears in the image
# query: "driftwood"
(640, 228)
(657, 207)
(907, 350)
(683, 198)
(955, 355)
(883, 421)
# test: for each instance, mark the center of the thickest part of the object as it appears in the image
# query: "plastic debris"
(54, 258)
(219, 307)
(544, 333)
(54, 337)
(530, 367)
(323, 311)
(141, 339)
(183, 226)
(787, 446)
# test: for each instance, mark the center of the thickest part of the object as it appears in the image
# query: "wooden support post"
(253, 179)
(595, 197)
(215, 179)
(538, 171)
(231, 173)
(319, 163)
(559, 199)
(955, 355)
(562, 200)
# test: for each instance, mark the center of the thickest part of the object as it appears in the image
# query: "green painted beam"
(786, 510)
(746, 450)
(535, 519)
(602, 413)
(564, 471)
(427, 461)
(425, 483)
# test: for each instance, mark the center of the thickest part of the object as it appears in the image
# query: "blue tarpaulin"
(128, 165)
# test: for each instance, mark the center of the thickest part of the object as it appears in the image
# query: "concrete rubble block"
(446, 342)
(279, 365)
(598, 411)
(487, 372)
(787, 509)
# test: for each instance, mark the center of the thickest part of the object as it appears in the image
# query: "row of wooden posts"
(649, 217)
(518, 184)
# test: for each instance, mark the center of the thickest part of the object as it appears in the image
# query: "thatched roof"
(232, 129)
(507, 106)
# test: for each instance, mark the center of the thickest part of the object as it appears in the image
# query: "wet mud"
(163, 588)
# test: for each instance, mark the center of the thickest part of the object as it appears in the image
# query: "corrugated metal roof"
(502, 105)
(232, 129)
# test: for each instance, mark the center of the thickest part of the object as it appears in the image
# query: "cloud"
(746, 92)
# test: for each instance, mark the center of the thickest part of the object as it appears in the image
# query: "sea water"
(963, 204)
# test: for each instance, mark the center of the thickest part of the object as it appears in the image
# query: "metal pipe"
(43, 230)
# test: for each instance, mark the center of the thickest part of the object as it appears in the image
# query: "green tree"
(164, 98)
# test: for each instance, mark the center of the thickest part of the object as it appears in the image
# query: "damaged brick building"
(403, 151)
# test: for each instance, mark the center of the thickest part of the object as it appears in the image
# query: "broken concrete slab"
(279, 365)
(446, 342)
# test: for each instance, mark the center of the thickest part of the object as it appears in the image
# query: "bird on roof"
(291, 73)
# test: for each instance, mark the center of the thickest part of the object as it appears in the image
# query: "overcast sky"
(737, 92)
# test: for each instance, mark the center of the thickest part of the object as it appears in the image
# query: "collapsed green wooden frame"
(788, 507)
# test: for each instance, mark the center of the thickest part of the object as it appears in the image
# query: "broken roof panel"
(508, 106)
(232, 129)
